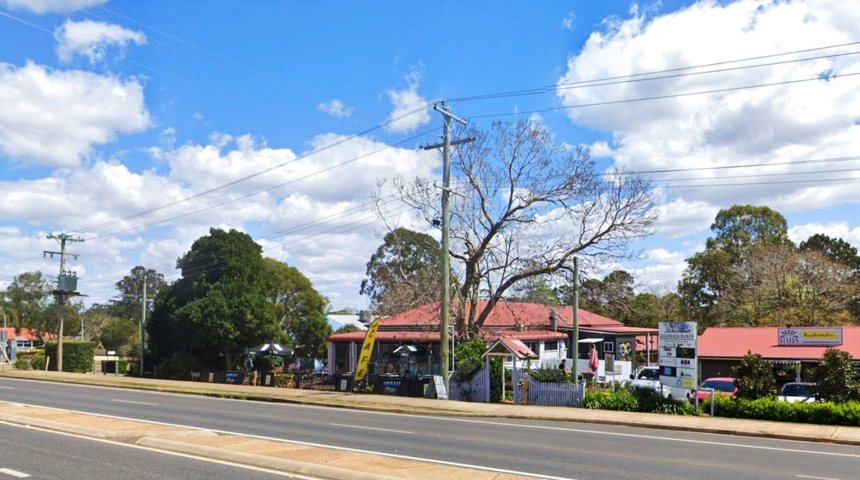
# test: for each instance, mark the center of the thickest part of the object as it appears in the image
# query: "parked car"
(724, 386)
(796, 392)
(648, 378)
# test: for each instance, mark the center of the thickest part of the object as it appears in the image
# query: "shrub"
(621, 399)
(754, 377)
(834, 377)
(77, 356)
(651, 402)
(110, 366)
(550, 375)
(178, 366)
(827, 413)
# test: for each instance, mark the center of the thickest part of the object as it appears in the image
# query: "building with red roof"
(530, 323)
(721, 348)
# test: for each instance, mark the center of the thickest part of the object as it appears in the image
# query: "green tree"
(403, 272)
(119, 334)
(754, 377)
(611, 297)
(834, 377)
(535, 290)
(130, 288)
(347, 328)
(299, 308)
(218, 308)
(834, 249)
(28, 299)
(738, 231)
(648, 309)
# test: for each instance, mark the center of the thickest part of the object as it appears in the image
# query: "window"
(551, 346)
(533, 346)
(608, 347)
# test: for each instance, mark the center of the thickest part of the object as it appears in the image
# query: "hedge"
(77, 356)
(30, 362)
(109, 366)
(625, 399)
(823, 413)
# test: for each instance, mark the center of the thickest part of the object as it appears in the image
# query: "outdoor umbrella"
(593, 361)
(272, 348)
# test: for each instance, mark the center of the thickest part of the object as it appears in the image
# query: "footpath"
(338, 464)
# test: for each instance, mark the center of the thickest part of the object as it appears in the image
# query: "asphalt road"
(36, 454)
(555, 449)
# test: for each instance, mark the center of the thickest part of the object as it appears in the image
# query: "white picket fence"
(548, 394)
(475, 390)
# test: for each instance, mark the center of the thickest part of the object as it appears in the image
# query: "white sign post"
(678, 359)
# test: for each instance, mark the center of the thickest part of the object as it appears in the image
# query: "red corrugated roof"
(504, 315)
(426, 336)
(26, 333)
(734, 342)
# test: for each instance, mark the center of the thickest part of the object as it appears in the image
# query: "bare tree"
(524, 207)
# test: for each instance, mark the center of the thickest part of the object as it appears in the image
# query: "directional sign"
(678, 359)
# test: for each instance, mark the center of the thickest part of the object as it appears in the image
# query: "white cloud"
(601, 149)
(335, 108)
(792, 121)
(322, 223)
(405, 102)
(681, 218)
(799, 233)
(51, 6)
(660, 268)
(569, 21)
(93, 40)
(54, 117)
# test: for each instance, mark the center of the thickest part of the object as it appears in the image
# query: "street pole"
(575, 346)
(61, 294)
(444, 316)
(142, 322)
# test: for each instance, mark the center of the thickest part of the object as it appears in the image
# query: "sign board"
(678, 358)
(366, 352)
(109, 352)
(437, 388)
(609, 363)
(809, 336)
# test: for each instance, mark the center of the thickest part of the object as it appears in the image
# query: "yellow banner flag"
(366, 352)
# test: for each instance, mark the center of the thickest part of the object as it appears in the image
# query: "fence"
(548, 394)
(475, 390)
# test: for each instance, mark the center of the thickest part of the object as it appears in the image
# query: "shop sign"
(678, 358)
(809, 336)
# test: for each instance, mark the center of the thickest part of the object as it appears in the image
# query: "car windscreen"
(795, 390)
(649, 374)
(719, 385)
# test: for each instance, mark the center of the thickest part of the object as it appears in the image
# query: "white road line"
(6, 388)
(517, 425)
(164, 452)
(13, 473)
(369, 428)
(311, 444)
(135, 403)
(816, 478)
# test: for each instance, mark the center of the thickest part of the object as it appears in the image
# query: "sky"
(139, 125)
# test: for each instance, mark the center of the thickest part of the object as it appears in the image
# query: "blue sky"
(113, 108)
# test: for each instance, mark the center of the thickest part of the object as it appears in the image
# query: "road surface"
(551, 449)
(36, 454)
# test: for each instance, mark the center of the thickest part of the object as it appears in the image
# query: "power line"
(743, 165)
(258, 192)
(631, 77)
(758, 175)
(663, 97)
(786, 182)
(25, 22)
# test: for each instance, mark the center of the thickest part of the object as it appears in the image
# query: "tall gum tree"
(525, 206)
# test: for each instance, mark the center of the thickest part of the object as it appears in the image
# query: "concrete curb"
(56, 426)
(290, 466)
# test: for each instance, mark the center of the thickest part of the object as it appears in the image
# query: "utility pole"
(446, 145)
(575, 342)
(67, 284)
(142, 321)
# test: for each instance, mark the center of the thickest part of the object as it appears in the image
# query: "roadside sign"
(678, 357)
